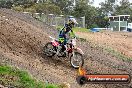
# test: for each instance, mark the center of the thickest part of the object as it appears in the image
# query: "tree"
(108, 7)
(47, 8)
(6, 4)
(24, 3)
(101, 21)
(124, 8)
(83, 1)
(83, 9)
(65, 5)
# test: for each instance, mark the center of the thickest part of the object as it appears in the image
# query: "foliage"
(93, 16)
(32, 10)
(77, 29)
(24, 3)
(46, 8)
(107, 7)
(6, 4)
(124, 8)
(101, 21)
(65, 5)
(20, 79)
(94, 25)
(18, 8)
(83, 9)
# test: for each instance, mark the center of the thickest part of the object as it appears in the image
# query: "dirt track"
(21, 42)
(120, 41)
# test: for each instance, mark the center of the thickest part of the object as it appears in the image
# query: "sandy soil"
(22, 39)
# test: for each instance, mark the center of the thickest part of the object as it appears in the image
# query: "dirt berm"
(22, 39)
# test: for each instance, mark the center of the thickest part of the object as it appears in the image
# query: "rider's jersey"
(67, 31)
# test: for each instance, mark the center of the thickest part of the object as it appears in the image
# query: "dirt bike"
(74, 53)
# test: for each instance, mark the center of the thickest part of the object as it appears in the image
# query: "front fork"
(73, 53)
(78, 50)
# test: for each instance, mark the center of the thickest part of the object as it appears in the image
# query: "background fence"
(55, 20)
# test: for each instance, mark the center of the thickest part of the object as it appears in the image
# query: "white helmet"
(73, 20)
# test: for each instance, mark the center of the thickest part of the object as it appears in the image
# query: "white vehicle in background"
(129, 27)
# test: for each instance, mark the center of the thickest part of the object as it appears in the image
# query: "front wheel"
(49, 50)
(76, 60)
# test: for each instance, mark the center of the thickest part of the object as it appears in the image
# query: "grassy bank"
(81, 29)
(11, 77)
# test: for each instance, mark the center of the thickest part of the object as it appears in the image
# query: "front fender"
(79, 50)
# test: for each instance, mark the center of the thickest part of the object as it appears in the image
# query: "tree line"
(94, 16)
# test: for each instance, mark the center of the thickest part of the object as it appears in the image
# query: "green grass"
(77, 29)
(20, 79)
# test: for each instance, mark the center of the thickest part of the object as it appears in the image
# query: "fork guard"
(79, 50)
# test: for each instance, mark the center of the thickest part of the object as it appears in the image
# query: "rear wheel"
(49, 50)
(76, 60)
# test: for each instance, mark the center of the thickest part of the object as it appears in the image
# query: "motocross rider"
(66, 32)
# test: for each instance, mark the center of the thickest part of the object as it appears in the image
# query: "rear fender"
(54, 43)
